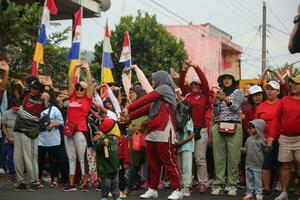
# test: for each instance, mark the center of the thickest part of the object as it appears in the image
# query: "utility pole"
(264, 38)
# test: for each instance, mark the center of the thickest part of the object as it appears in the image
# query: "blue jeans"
(10, 158)
(253, 181)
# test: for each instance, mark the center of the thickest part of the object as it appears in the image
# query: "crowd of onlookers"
(176, 132)
(167, 133)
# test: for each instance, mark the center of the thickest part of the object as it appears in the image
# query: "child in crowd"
(254, 148)
(185, 144)
(8, 123)
(123, 162)
(107, 154)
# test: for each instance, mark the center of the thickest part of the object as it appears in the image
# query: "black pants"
(122, 180)
(52, 153)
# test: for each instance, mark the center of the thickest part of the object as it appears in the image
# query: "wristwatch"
(297, 19)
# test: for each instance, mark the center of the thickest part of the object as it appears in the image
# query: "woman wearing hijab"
(227, 133)
(160, 106)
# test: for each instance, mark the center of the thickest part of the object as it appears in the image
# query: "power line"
(193, 27)
(250, 11)
(278, 19)
(249, 16)
(242, 16)
(170, 11)
(245, 32)
(281, 31)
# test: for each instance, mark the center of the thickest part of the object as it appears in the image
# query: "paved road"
(47, 193)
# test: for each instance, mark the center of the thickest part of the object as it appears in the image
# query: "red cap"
(107, 125)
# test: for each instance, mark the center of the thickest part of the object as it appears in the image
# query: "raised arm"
(182, 74)
(71, 78)
(204, 82)
(5, 67)
(114, 101)
(142, 79)
(294, 43)
(89, 79)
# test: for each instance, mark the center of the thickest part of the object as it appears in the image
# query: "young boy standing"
(107, 153)
(254, 148)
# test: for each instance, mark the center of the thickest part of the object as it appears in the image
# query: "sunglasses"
(251, 126)
(78, 88)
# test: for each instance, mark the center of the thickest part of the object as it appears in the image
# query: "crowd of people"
(169, 133)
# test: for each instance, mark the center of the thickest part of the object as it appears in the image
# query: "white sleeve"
(112, 115)
(114, 102)
(98, 99)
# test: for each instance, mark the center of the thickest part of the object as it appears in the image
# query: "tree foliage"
(152, 47)
(19, 31)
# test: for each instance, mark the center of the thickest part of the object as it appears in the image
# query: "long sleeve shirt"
(199, 101)
(231, 113)
(123, 149)
(287, 118)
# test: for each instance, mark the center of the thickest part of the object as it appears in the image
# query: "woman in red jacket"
(160, 106)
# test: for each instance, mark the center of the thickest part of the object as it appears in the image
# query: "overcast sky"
(240, 18)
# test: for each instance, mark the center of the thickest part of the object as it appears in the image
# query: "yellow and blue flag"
(107, 64)
(38, 58)
(74, 54)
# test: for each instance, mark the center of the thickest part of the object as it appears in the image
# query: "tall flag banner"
(38, 58)
(107, 64)
(74, 54)
(126, 53)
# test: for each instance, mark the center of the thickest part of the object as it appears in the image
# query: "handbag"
(45, 121)
(227, 128)
(136, 141)
(32, 133)
(70, 129)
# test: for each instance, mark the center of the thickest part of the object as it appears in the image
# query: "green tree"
(19, 31)
(152, 47)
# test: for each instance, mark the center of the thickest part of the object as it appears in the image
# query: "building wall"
(205, 49)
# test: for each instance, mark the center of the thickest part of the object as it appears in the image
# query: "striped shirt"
(225, 113)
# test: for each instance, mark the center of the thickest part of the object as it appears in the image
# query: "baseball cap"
(82, 84)
(295, 79)
(36, 84)
(255, 89)
(110, 127)
(196, 80)
(275, 85)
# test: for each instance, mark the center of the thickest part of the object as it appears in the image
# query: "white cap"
(275, 85)
(255, 89)
(196, 80)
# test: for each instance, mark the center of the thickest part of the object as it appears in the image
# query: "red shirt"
(199, 101)
(287, 118)
(249, 112)
(266, 111)
(78, 110)
(123, 149)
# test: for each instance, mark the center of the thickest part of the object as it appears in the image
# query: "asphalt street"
(47, 193)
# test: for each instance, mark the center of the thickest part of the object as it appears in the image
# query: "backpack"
(182, 115)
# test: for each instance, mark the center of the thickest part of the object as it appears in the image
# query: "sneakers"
(186, 192)
(33, 187)
(39, 184)
(259, 197)
(231, 191)
(216, 191)
(202, 188)
(84, 188)
(69, 188)
(175, 195)
(278, 187)
(2, 171)
(282, 196)
(20, 186)
(123, 195)
(54, 184)
(150, 193)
